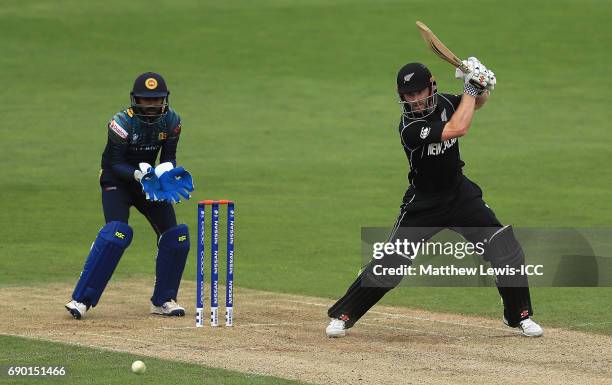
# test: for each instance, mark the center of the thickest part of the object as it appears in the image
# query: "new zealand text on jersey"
(439, 148)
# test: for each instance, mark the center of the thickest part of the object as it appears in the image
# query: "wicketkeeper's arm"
(117, 146)
(168, 150)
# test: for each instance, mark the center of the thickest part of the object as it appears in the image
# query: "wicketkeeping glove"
(174, 182)
(149, 182)
(177, 182)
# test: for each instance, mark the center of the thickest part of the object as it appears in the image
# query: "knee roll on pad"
(105, 253)
(377, 272)
(503, 249)
(173, 248)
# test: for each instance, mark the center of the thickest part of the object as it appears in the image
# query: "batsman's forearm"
(461, 120)
(481, 100)
(465, 112)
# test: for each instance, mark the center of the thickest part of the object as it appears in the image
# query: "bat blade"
(439, 48)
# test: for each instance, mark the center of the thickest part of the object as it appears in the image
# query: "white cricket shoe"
(77, 309)
(528, 327)
(170, 308)
(336, 328)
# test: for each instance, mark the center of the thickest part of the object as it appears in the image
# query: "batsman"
(440, 196)
(136, 136)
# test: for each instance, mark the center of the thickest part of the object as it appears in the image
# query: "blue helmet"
(149, 85)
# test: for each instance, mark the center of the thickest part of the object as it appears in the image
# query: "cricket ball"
(138, 367)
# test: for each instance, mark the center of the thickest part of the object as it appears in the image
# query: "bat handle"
(464, 68)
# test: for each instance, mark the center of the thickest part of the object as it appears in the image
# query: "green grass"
(111, 367)
(289, 109)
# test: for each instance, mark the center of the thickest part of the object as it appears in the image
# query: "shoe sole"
(336, 335)
(174, 313)
(531, 335)
(522, 332)
(74, 312)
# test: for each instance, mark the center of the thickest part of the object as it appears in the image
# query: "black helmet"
(416, 77)
(146, 86)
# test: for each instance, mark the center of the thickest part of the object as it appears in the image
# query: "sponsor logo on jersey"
(144, 148)
(130, 112)
(424, 132)
(151, 83)
(117, 129)
(408, 77)
(439, 148)
(163, 136)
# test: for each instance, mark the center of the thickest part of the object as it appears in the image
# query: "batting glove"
(471, 64)
(472, 90)
(492, 80)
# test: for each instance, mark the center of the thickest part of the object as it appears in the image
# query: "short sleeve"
(116, 132)
(419, 132)
(453, 99)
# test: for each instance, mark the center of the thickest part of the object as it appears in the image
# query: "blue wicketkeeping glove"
(174, 182)
(177, 182)
(150, 184)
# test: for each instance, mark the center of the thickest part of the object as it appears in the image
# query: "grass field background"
(289, 109)
(101, 367)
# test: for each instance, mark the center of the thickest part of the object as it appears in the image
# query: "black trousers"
(118, 196)
(461, 209)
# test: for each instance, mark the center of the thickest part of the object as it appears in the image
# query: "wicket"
(214, 263)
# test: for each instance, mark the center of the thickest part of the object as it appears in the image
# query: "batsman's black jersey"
(131, 141)
(435, 165)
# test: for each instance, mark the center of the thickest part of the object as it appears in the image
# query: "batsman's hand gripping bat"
(439, 48)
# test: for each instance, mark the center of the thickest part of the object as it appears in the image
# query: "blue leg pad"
(105, 253)
(171, 257)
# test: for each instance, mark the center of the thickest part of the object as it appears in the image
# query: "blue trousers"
(118, 197)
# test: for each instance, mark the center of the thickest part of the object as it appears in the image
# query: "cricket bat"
(439, 48)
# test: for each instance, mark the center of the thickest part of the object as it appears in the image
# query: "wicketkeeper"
(440, 196)
(135, 138)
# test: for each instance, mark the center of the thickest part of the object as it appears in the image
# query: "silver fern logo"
(425, 132)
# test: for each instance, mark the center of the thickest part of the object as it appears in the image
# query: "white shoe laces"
(336, 323)
(529, 324)
(170, 305)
